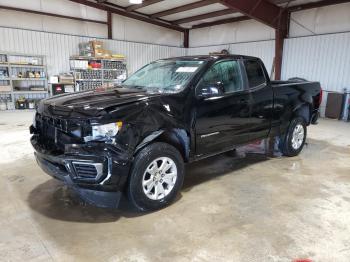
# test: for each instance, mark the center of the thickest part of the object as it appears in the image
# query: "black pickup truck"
(135, 138)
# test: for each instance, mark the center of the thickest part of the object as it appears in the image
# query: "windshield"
(164, 76)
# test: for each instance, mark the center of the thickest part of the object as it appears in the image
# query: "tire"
(147, 178)
(295, 137)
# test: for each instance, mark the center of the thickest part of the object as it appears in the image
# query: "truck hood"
(92, 103)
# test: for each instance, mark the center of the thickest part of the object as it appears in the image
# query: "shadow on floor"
(216, 166)
(55, 200)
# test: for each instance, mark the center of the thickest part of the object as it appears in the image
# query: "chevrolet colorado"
(135, 138)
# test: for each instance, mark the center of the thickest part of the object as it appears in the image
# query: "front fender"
(176, 137)
(148, 139)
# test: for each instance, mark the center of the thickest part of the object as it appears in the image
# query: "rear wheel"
(156, 177)
(295, 138)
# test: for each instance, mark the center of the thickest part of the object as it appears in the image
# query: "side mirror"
(213, 90)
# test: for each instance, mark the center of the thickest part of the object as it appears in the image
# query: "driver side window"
(225, 75)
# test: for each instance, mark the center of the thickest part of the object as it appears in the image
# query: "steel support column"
(109, 25)
(280, 34)
(186, 38)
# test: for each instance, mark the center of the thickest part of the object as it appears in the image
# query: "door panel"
(222, 121)
(261, 99)
(261, 112)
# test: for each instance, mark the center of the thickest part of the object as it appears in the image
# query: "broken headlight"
(105, 132)
(34, 120)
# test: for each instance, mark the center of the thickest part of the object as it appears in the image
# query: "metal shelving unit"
(13, 87)
(110, 72)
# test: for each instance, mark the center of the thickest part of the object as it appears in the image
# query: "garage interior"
(246, 207)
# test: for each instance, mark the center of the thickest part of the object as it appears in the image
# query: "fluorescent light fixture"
(135, 2)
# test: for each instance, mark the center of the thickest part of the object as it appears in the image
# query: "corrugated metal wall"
(59, 47)
(263, 49)
(323, 58)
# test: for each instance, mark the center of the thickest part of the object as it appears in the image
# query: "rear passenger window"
(255, 73)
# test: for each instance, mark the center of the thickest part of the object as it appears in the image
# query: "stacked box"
(86, 49)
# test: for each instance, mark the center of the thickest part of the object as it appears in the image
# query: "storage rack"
(16, 82)
(110, 72)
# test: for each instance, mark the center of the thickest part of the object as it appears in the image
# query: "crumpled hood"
(91, 103)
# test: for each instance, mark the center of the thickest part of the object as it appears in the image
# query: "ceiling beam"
(316, 5)
(144, 4)
(290, 9)
(121, 11)
(260, 10)
(204, 16)
(184, 8)
(223, 21)
(51, 14)
(279, 2)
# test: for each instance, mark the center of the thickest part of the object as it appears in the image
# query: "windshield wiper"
(133, 86)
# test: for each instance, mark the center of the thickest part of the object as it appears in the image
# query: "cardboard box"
(53, 79)
(66, 78)
(103, 53)
(96, 44)
(5, 88)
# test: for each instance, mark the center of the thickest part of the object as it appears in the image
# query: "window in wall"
(225, 74)
(255, 73)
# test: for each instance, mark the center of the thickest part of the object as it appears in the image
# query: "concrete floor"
(248, 208)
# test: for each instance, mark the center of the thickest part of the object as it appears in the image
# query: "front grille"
(58, 123)
(56, 132)
(88, 170)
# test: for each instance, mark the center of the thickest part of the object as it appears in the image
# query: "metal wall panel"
(265, 50)
(59, 47)
(262, 49)
(323, 58)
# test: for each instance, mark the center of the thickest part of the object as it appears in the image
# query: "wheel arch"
(303, 110)
(176, 137)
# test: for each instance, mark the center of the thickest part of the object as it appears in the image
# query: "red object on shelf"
(94, 64)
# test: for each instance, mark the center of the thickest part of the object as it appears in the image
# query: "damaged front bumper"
(96, 172)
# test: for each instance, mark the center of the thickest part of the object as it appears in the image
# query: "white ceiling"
(170, 4)
(197, 11)
(123, 3)
(164, 5)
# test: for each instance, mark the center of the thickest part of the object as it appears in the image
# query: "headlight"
(105, 132)
(34, 120)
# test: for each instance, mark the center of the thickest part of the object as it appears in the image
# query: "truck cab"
(234, 105)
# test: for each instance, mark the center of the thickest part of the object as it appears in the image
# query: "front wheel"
(295, 138)
(156, 177)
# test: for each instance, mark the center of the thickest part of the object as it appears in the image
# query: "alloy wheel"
(298, 136)
(159, 178)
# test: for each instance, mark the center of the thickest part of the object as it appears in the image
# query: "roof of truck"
(211, 57)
